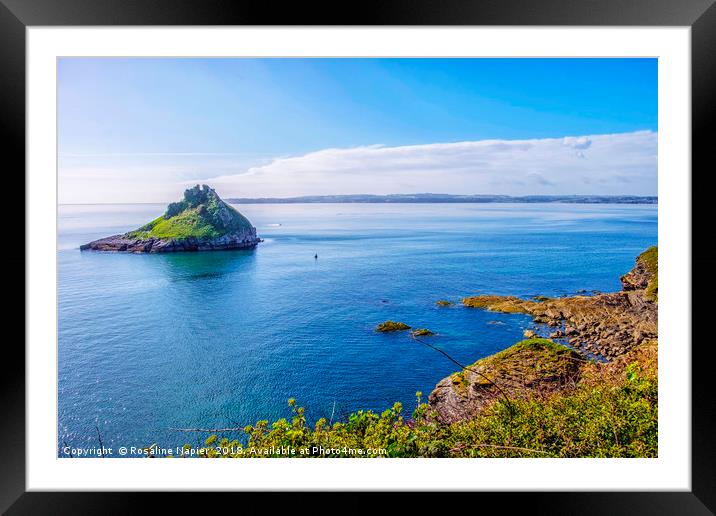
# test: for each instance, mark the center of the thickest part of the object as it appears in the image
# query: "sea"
(152, 344)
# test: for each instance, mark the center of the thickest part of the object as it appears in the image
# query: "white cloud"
(596, 164)
(583, 142)
(140, 177)
(605, 164)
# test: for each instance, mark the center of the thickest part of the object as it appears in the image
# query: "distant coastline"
(449, 198)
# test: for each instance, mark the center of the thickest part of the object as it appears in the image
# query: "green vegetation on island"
(200, 214)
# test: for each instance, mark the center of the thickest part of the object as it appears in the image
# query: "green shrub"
(609, 419)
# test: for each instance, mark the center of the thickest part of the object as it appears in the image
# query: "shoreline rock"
(644, 275)
(122, 243)
(391, 326)
(530, 367)
(607, 325)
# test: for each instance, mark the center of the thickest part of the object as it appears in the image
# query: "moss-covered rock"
(444, 302)
(507, 304)
(422, 332)
(390, 326)
(532, 367)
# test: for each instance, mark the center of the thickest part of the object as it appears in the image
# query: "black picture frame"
(700, 15)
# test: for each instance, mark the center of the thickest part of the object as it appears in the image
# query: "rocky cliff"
(606, 325)
(533, 366)
(201, 221)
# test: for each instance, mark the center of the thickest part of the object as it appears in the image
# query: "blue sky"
(138, 130)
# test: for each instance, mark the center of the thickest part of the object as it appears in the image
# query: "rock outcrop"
(644, 276)
(201, 221)
(391, 326)
(531, 367)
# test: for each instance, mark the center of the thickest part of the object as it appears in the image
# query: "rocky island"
(201, 221)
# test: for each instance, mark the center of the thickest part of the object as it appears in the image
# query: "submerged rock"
(389, 326)
(201, 221)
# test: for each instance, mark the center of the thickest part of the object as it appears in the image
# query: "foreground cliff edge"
(537, 398)
(201, 221)
(619, 327)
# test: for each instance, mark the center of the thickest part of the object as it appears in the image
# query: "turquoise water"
(222, 339)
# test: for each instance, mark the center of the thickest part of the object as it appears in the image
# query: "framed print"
(419, 248)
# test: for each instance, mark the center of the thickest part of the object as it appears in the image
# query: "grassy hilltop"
(200, 214)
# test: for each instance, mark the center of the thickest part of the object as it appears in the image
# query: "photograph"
(357, 257)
